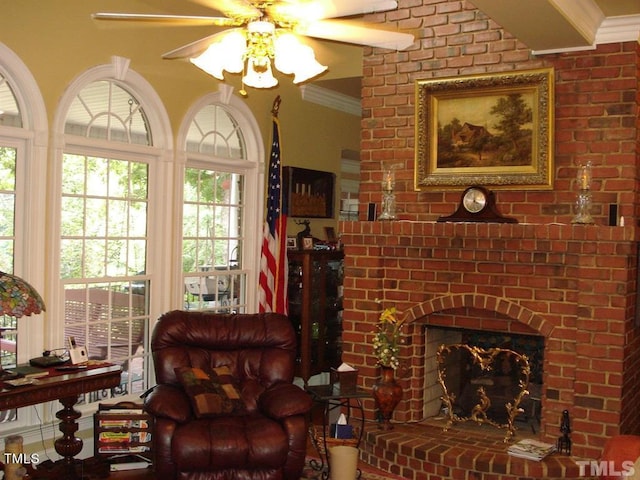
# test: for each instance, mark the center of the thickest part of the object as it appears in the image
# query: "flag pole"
(276, 106)
(272, 291)
(281, 294)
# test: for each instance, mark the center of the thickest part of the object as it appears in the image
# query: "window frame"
(158, 158)
(252, 167)
(31, 142)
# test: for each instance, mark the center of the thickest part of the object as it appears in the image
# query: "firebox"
(463, 375)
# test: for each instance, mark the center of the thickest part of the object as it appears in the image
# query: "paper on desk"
(345, 367)
(342, 420)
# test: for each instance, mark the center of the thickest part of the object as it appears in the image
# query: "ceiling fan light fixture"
(262, 27)
(210, 61)
(307, 67)
(286, 49)
(259, 74)
(293, 57)
(251, 49)
(255, 51)
(227, 54)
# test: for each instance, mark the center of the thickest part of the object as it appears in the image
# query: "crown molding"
(619, 29)
(612, 30)
(331, 99)
(586, 20)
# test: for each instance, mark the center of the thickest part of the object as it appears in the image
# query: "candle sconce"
(388, 197)
(584, 201)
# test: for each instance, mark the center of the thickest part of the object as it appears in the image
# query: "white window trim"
(160, 200)
(31, 140)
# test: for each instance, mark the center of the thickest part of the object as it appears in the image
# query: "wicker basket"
(315, 432)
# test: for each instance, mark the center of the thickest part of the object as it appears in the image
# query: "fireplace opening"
(499, 383)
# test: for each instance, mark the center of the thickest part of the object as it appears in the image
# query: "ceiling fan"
(268, 31)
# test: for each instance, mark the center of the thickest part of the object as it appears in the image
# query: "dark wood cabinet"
(315, 309)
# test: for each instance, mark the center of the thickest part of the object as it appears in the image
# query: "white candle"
(584, 176)
(387, 181)
(584, 179)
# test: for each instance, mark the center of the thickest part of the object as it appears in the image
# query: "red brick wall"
(574, 284)
(596, 113)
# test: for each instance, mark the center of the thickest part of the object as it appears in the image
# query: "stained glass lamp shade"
(17, 299)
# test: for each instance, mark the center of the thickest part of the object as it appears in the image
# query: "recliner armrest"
(169, 402)
(284, 400)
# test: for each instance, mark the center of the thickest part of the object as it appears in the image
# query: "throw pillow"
(212, 392)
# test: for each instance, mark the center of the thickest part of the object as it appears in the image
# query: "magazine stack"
(531, 449)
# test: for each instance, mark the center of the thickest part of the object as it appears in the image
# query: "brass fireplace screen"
(484, 386)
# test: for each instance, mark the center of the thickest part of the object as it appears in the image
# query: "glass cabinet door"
(315, 309)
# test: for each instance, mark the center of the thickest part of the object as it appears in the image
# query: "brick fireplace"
(572, 284)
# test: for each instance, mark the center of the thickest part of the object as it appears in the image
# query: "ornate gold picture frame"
(492, 130)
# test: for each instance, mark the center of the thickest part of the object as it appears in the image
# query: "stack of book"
(531, 449)
(27, 371)
(123, 435)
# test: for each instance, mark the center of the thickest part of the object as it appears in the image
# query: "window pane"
(10, 113)
(215, 132)
(103, 263)
(8, 338)
(73, 172)
(212, 237)
(103, 215)
(8, 341)
(104, 110)
(110, 318)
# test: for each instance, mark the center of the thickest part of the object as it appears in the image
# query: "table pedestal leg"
(69, 445)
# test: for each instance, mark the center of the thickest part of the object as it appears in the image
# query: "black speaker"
(371, 212)
(613, 215)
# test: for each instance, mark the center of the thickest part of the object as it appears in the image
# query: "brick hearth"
(470, 452)
(572, 284)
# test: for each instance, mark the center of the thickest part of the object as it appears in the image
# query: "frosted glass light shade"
(227, 54)
(293, 57)
(286, 50)
(259, 75)
(259, 48)
(308, 67)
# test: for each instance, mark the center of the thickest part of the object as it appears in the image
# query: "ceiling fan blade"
(358, 34)
(239, 9)
(310, 10)
(172, 19)
(194, 49)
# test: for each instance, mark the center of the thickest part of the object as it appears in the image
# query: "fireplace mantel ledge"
(549, 231)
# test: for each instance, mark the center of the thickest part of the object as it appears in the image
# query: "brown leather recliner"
(268, 440)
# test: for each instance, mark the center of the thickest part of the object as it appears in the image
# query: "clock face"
(474, 200)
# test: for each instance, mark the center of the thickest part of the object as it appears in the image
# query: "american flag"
(273, 262)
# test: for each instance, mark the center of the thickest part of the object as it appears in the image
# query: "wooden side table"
(66, 388)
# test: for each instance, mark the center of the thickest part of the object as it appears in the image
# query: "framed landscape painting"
(491, 130)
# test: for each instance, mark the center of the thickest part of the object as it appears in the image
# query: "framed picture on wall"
(492, 130)
(308, 193)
